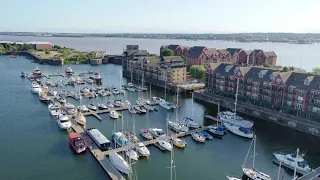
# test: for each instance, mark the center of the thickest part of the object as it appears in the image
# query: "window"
(260, 75)
(272, 76)
(306, 82)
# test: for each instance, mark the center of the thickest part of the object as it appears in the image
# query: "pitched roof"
(195, 51)
(254, 72)
(211, 52)
(173, 47)
(223, 52)
(172, 58)
(185, 47)
(137, 52)
(256, 51)
(213, 66)
(297, 79)
(270, 54)
(248, 52)
(285, 75)
(233, 50)
(244, 70)
(221, 69)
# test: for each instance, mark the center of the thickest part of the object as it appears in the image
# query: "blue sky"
(167, 16)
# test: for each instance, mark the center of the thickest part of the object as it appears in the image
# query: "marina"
(156, 121)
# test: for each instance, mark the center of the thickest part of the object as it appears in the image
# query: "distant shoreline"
(188, 37)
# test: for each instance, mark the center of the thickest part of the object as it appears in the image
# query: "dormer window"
(235, 70)
(272, 76)
(306, 82)
(262, 73)
(227, 69)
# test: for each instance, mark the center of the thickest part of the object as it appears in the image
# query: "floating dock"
(313, 175)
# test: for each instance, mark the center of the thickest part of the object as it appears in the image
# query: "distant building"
(35, 45)
(95, 61)
(131, 53)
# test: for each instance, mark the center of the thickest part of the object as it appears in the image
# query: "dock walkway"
(313, 175)
(99, 156)
(212, 118)
(149, 142)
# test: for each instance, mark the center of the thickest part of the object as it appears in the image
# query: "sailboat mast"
(235, 103)
(150, 93)
(254, 150)
(279, 170)
(171, 161)
(192, 106)
(295, 167)
(177, 104)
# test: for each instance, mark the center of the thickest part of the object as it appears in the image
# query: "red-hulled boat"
(77, 142)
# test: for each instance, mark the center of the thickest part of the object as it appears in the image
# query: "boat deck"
(313, 175)
(99, 156)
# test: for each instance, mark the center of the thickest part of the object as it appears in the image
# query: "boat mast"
(235, 103)
(218, 117)
(295, 165)
(192, 106)
(177, 103)
(245, 160)
(165, 89)
(279, 170)
(131, 76)
(254, 150)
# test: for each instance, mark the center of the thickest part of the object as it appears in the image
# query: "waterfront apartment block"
(294, 93)
(131, 52)
(171, 69)
(201, 55)
(36, 45)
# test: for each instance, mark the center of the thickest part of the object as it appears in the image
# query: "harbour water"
(297, 55)
(33, 147)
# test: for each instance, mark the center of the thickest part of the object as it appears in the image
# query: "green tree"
(26, 47)
(285, 69)
(316, 70)
(2, 49)
(15, 47)
(198, 71)
(7, 46)
(266, 65)
(56, 47)
(47, 51)
(166, 52)
(153, 55)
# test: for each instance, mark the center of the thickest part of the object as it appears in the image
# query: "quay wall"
(302, 124)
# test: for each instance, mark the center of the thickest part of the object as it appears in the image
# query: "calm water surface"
(33, 147)
(298, 55)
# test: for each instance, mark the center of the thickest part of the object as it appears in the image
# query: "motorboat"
(132, 110)
(140, 109)
(92, 95)
(198, 137)
(83, 108)
(216, 131)
(118, 103)
(255, 175)
(157, 99)
(127, 103)
(90, 81)
(109, 105)
(44, 98)
(206, 135)
(37, 72)
(52, 92)
(122, 91)
(165, 145)
(130, 85)
(132, 154)
(232, 118)
(119, 163)
(140, 102)
(77, 142)
(190, 123)
(22, 74)
(35, 87)
(293, 161)
(146, 134)
(108, 93)
(115, 92)
(70, 106)
(143, 150)
(102, 106)
(77, 96)
(165, 105)
(114, 114)
(72, 81)
(61, 99)
(132, 136)
(156, 132)
(80, 119)
(131, 89)
(120, 139)
(68, 70)
(240, 131)
(178, 127)
(96, 77)
(92, 107)
(63, 121)
(85, 90)
(104, 93)
(149, 107)
(55, 110)
(179, 142)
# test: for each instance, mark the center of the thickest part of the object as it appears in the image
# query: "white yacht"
(130, 85)
(114, 114)
(232, 178)
(143, 150)
(69, 106)
(102, 106)
(115, 92)
(198, 137)
(146, 134)
(80, 119)
(68, 70)
(240, 131)
(149, 107)
(122, 91)
(63, 122)
(61, 99)
(119, 163)
(110, 105)
(35, 87)
(178, 127)
(165, 145)
(132, 154)
(83, 108)
(165, 105)
(156, 132)
(52, 92)
(55, 110)
(140, 109)
(157, 99)
(78, 96)
(132, 110)
(293, 161)
(85, 90)
(231, 118)
(90, 81)
(131, 89)
(37, 72)
(190, 123)
(140, 102)
(127, 103)
(92, 107)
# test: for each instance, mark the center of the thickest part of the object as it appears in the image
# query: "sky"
(160, 16)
